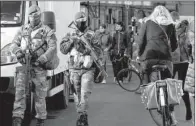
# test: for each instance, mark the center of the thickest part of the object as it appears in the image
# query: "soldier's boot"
(40, 122)
(82, 119)
(17, 121)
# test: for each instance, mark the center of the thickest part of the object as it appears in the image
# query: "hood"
(161, 20)
(7, 35)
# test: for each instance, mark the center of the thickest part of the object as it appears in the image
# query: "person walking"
(181, 58)
(105, 40)
(81, 66)
(118, 49)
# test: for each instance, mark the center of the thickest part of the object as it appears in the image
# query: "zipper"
(118, 42)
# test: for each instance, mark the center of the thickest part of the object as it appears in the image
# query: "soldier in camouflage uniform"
(39, 34)
(81, 67)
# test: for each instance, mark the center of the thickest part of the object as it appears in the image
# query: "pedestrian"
(118, 49)
(154, 46)
(190, 78)
(181, 58)
(39, 34)
(81, 66)
(105, 40)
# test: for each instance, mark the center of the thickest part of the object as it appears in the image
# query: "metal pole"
(99, 14)
(88, 13)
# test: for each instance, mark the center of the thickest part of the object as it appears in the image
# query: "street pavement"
(110, 105)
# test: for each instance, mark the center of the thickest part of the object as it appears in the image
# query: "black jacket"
(153, 42)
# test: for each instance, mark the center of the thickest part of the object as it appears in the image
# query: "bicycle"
(163, 113)
(130, 78)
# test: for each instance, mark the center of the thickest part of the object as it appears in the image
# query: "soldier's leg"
(86, 87)
(41, 87)
(76, 81)
(19, 103)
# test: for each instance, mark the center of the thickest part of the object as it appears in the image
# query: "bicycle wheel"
(161, 117)
(129, 79)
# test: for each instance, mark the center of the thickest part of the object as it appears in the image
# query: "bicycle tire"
(164, 115)
(131, 74)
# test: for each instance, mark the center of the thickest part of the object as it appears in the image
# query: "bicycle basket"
(174, 90)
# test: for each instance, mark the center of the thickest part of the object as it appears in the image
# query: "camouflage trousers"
(41, 87)
(83, 84)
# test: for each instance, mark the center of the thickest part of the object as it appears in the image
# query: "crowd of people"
(161, 39)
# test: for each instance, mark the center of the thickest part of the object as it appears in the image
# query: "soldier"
(39, 34)
(81, 66)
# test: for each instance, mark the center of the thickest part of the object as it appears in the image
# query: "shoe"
(17, 121)
(139, 91)
(40, 122)
(114, 79)
(174, 121)
(104, 81)
(82, 120)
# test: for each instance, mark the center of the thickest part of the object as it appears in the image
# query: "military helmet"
(80, 17)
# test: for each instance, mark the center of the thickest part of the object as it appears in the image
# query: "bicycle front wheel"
(129, 79)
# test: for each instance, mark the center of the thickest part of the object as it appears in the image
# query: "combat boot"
(17, 121)
(40, 122)
(82, 119)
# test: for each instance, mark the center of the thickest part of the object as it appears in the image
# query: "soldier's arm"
(16, 43)
(52, 47)
(66, 45)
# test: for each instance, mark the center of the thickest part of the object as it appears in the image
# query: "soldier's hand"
(20, 55)
(37, 63)
(22, 60)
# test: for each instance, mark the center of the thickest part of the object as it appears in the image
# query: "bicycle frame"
(164, 107)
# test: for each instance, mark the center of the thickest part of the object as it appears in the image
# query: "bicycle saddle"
(159, 67)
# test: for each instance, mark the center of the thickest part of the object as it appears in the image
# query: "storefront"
(110, 12)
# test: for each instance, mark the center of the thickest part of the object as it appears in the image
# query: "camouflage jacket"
(40, 36)
(79, 56)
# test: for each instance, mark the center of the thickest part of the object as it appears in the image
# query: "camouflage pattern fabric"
(83, 84)
(41, 87)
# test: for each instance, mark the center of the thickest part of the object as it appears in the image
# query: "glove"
(42, 59)
(87, 52)
(37, 63)
(20, 57)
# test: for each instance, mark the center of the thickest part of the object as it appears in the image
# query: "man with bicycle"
(38, 34)
(119, 50)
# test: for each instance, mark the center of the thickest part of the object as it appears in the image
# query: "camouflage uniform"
(39, 35)
(81, 76)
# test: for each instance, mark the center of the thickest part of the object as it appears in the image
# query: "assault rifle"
(93, 53)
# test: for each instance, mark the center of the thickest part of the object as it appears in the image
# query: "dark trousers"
(182, 71)
(117, 64)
